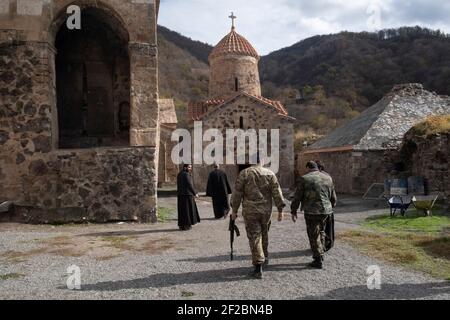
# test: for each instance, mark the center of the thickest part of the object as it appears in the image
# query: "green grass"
(164, 214)
(116, 242)
(410, 223)
(186, 294)
(11, 276)
(425, 253)
(416, 242)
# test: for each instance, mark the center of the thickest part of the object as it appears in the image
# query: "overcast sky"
(274, 24)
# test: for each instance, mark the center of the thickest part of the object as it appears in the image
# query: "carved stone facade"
(99, 173)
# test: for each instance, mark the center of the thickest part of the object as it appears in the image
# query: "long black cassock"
(218, 188)
(187, 208)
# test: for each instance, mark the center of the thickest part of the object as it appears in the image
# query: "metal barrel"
(399, 187)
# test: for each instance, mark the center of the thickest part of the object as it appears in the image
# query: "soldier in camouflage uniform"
(255, 189)
(316, 193)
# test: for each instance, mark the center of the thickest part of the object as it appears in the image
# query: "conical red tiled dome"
(234, 43)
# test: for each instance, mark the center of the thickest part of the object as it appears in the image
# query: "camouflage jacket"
(315, 192)
(255, 188)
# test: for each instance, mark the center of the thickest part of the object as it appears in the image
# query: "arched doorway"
(93, 82)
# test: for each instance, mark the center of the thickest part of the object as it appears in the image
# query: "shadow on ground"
(223, 258)
(387, 292)
(164, 280)
(127, 233)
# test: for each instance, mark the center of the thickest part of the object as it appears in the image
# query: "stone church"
(235, 102)
(79, 111)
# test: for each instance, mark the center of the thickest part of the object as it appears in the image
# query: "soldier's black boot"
(317, 263)
(258, 272)
(266, 263)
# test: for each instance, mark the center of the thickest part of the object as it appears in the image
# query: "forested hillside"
(324, 80)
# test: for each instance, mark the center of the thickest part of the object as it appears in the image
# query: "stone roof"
(167, 113)
(196, 110)
(383, 126)
(233, 43)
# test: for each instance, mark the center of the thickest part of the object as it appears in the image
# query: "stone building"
(235, 102)
(362, 152)
(428, 156)
(168, 171)
(79, 117)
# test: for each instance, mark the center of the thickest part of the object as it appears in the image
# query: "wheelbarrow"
(425, 203)
(399, 203)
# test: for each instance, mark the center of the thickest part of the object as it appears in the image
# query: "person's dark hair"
(320, 165)
(312, 165)
(186, 165)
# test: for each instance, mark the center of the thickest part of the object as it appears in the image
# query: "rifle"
(233, 230)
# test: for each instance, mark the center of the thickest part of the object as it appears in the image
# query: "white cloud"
(270, 25)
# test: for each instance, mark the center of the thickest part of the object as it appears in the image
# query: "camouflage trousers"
(315, 225)
(257, 227)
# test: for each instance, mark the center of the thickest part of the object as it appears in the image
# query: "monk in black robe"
(187, 208)
(218, 188)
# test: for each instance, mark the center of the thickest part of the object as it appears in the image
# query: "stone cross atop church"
(232, 17)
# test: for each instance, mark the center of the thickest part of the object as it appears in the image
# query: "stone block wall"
(226, 69)
(26, 98)
(255, 116)
(353, 172)
(430, 158)
(50, 185)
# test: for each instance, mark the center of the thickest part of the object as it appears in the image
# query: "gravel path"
(132, 261)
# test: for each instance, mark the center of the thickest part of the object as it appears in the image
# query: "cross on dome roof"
(234, 43)
(232, 17)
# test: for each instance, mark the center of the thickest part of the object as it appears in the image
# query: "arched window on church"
(241, 123)
(236, 84)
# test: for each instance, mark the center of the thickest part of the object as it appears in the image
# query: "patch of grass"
(164, 214)
(432, 125)
(187, 294)
(413, 222)
(438, 248)
(117, 242)
(11, 276)
(156, 246)
(58, 241)
(107, 258)
(418, 242)
(19, 257)
(69, 252)
(421, 252)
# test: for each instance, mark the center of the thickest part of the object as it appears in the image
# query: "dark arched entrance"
(93, 82)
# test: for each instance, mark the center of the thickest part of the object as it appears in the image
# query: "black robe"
(218, 188)
(187, 208)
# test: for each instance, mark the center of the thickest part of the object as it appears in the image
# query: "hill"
(324, 80)
(183, 70)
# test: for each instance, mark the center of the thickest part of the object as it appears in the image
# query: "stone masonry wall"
(255, 116)
(50, 185)
(431, 160)
(224, 71)
(95, 185)
(352, 172)
(25, 113)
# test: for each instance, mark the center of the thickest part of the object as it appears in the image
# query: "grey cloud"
(270, 25)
